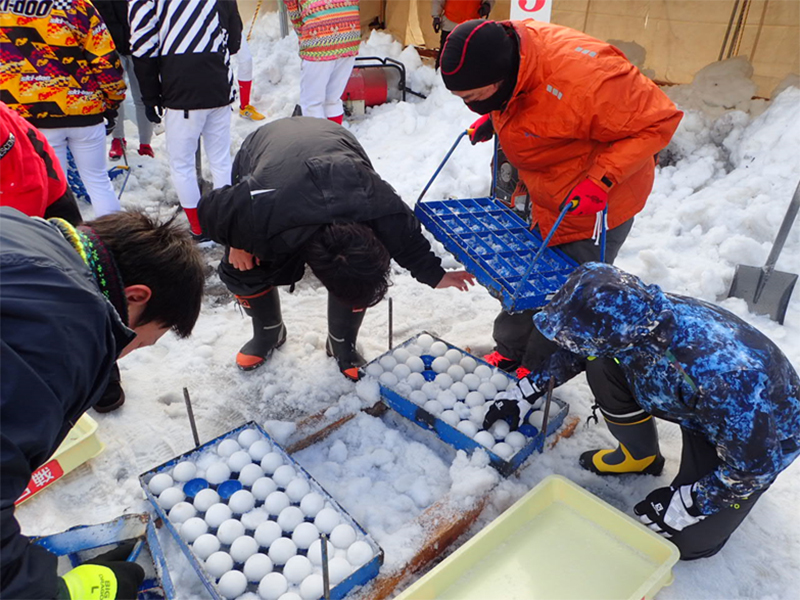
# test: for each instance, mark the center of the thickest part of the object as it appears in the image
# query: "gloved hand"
(484, 9)
(512, 404)
(105, 577)
(587, 198)
(111, 120)
(153, 114)
(437, 24)
(669, 510)
(481, 130)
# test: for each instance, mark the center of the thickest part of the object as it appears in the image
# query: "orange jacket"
(459, 11)
(581, 109)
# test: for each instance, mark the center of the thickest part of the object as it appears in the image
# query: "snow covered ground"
(718, 202)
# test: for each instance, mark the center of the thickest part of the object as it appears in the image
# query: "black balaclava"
(479, 53)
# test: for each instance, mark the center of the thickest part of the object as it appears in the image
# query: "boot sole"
(587, 463)
(266, 358)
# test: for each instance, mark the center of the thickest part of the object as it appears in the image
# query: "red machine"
(375, 81)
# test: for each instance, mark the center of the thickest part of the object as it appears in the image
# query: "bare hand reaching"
(242, 260)
(457, 279)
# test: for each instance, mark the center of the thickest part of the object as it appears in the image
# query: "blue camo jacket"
(687, 361)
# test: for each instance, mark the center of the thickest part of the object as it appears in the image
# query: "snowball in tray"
(468, 428)
(483, 371)
(474, 399)
(311, 504)
(418, 397)
(228, 447)
(374, 370)
(500, 429)
(267, 532)
(424, 341)
(263, 487)
(248, 437)
(359, 553)
(170, 497)
(290, 517)
(472, 381)
(468, 364)
(438, 349)
(401, 355)
(184, 471)
(462, 410)
(243, 548)
(257, 566)
(276, 502)
(434, 407)
(270, 462)
(205, 545)
(401, 371)
(250, 474)
(431, 390)
(283, 475)
(488, 389)
(456, 372)
(259, 449)
(484, 438)
(339, 569)
(312, 587)
(454, 356)
(218, 472)
(304, 535)
(238, 460)
(447, 399)
(460, 389)
(181, 512)
(297, 568)
(516, 440)
(229, 530)
(343, 535)
(286, 596)
(500, 381)
(251, 520)
(282, 550)
(218, 564)
(388, 379)
(160, 482)
(450, 417)
(315, 552)
(415, 380)
(218, 514)
(503, 450)
(413, 350)
(440, 364)
(443, 380)
(241, 502)
(477, 413)
(388, 362)
(415, 364)
(537, 417)
(232, 584)
(272, 586)
(326, 520)
(297, 489)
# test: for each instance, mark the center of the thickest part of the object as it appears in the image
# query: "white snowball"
(472, 381)
(229, 530)
(416, 364)
(359, 553)
(401, 371)
(282, 550)
(251, 520)
(440, 364)
(401, 355)
(431, 390)
(228, 447)
(312, 587)
(238, 460)
(500, 381)
(413, 350)
(424, 341)
(218, 564)
(462, 410)
(500, 430)
(218, 472)
(193, 528)
(263, 487)
(536, 419)
(483, 371)
(415, 380)
(248, 437)
(311, 504)
(477, 413)
(374, 370)
(488, 390)
(267, 532)
(474, 399)
(297, 568)
(184, 471)
(170, 497)
(468, 364)
(339, 569)
(158, 483)
(434, 407)
(450, 417)
(232, 584)
(468, 428)
(241, 502)
(484, 438)
(326, 520)
(259, 449)
(205, 545)
(217, 514)
(438, 349)
(270, 462)
(290, 517)
(250, 474)
(503, 450)
(181, 512)
(243, 548)
(297, 489)
(276, 502)
(343, 535)
(456, 372)
(460, 389)
(454, 356)
(283, 475)
(315, 552)
(304, 535)
(290, 596)
(447, 399)
(257, 566)
(388, 379)
(272, 586)
(443, 380)
(388, 362)
(418, 397)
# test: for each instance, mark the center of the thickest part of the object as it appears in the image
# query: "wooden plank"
(316, 427)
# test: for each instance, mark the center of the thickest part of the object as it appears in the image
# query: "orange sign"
(41, 478)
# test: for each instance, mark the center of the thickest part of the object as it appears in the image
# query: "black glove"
(111, 120)
(99, 577)
(512, 405)
(669, 510)
(153, 114)
(484, 10)
(481, 130)
(437, 24)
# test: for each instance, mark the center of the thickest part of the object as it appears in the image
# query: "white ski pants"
(322, 84)
(88, 147)
(183, 131)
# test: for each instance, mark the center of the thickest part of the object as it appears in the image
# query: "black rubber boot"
(269, 332)
(343, 325)
(637, 452)
(114, 396)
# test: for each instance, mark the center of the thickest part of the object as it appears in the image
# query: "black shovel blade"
(773, 296)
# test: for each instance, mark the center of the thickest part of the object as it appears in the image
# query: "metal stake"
(326, 581)
(550, 385)
(391, 325)
(191, 417)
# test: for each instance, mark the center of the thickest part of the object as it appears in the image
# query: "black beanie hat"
(477, 53)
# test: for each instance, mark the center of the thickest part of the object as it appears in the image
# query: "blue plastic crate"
(497, 246)
(87, 541)
(455, 438)
(359, 577)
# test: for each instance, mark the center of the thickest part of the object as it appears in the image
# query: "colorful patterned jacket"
(60, 68)
(328, 29)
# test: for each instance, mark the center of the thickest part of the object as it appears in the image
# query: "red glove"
(481, 130)
(587, 198)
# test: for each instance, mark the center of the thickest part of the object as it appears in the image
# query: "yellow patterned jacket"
(58, 66)
(327, 29)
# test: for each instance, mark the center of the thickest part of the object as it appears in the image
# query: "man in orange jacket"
(579, 122)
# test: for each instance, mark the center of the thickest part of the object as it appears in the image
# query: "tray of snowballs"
(448, 391)
(250, 521)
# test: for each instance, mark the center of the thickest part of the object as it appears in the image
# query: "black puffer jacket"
(115, 15)
(294, 175)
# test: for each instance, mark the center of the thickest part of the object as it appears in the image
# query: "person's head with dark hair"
(161, 269)
(351, 262)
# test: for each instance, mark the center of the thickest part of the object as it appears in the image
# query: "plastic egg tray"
(497, 246)
(452, 400)
(265, 507)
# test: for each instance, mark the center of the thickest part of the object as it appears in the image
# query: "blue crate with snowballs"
(497, 246)
(444, 389)
(84, 542)
(250, 519)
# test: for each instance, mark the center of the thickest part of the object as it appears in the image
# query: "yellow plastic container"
(558, 542)
(80, 445)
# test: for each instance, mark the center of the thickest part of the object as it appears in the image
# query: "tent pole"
(728, 31)
(738, 31)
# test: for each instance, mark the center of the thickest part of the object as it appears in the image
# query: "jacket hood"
(602, 311)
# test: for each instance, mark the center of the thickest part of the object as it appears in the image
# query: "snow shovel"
(766, 290)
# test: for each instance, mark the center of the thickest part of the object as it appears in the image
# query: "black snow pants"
(698, 458)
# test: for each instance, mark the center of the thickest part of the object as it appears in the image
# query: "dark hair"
(351, 262)
(161, 256)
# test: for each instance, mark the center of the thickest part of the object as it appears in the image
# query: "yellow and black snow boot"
(637, 453)
(269, 332)
(343, 325)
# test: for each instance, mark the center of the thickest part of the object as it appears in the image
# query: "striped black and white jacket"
(182, 49)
